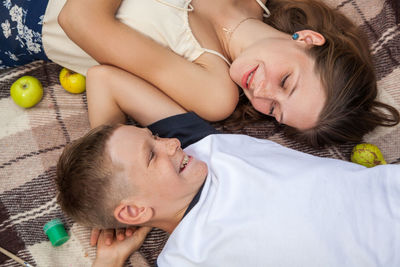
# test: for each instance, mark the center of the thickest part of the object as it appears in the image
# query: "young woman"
(298, 61)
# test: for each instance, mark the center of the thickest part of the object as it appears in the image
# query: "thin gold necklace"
(230, 32)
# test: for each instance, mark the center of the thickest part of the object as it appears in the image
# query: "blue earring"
(295, 36)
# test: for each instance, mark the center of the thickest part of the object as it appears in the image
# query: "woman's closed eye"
(272, 108)
(283, 82)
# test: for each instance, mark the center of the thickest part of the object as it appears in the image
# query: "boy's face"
(161, 174)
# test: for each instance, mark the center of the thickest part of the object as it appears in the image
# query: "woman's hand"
(116, 253)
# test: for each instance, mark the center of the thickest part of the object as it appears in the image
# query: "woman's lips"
(245, 79)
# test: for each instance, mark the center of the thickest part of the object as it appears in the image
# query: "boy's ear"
(311, 37)
(131, 214)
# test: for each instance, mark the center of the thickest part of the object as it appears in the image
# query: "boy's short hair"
(85, 180)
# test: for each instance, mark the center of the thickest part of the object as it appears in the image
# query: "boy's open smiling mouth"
(185, 162)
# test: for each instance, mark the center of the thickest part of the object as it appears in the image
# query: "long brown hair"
(345, 66)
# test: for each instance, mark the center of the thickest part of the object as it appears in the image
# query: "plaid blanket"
(32, 139)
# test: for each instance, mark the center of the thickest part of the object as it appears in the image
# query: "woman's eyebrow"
(294, 88)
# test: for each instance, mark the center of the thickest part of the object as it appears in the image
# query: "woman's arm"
(113, 93)
(205, 88)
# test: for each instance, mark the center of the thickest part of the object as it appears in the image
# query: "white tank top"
(165, 21)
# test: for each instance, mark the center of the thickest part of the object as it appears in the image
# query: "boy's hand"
(109, 234)
(119, 250)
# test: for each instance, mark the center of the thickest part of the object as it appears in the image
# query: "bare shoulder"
(220, 88)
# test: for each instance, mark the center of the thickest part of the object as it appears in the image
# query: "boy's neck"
(172, 222)
(168, 225)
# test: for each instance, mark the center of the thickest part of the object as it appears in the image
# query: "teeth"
(185, 161)
(249, 78)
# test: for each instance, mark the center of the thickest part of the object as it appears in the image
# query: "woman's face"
(279, 79)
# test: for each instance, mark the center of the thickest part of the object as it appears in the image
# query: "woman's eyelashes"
(272, 108)
(283, 82)
(274, 104)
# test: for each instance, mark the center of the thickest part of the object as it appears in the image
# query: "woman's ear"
(311, 37)
(132, 215)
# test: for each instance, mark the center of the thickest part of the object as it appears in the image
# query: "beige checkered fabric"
(31, 141)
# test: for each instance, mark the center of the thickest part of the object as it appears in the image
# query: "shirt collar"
(194, 200)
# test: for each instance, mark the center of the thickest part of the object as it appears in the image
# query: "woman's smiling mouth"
(248, 77)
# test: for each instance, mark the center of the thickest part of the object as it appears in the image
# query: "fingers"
(134, 242)
(130, 230)
(108, 236)
(94, 236)
(104, 236)
(120, 234)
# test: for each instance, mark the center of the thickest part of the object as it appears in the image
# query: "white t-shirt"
(266, 205)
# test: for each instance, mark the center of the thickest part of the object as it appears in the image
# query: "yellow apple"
(368, 155)
(27, 91)
(72, 82)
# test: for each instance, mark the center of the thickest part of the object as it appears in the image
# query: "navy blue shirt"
(188, 128)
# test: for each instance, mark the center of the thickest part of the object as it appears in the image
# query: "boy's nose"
(172, 145)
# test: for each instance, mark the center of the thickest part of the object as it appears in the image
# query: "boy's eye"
(284, 80)
(151, 156)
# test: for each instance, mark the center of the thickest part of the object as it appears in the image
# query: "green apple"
(27, 91)
(368, 155)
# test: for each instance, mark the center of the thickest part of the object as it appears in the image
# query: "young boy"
(226, 200)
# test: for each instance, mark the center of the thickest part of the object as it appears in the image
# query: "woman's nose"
(264, 91)
(268, 91)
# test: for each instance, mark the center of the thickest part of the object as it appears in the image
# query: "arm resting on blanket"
(92, 25)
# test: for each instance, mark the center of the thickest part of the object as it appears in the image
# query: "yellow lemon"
(72, 82)
(368, 155)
